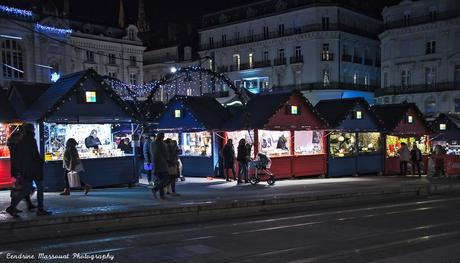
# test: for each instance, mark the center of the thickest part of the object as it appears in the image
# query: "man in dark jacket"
(92, 141)
(148, 160)
(228, 153)
(32, 166)
(160, 158)
(416, 159)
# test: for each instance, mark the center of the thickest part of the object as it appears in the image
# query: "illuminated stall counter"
(287, 129)
(354, 142)
(446, 132)
(76, 106)
(193, 122)
(402, 123)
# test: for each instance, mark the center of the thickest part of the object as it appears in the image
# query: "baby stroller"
(261, 163)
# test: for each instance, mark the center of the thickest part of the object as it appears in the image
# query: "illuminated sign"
(90, 96)
(178, 114)
(442, 126)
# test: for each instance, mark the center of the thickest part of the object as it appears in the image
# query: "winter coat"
(146, 151)
(416, 155)
(228, 154)
(71, 158)
(242, 154)
(16, 157)
(91, 142)
(160, 156)
(173, 157)
(125, 148)
(404, 154)
(32, 161)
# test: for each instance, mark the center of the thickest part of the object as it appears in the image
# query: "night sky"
(158, 12)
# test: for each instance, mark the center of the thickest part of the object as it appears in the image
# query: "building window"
(266, 33)
(132, 61)
(251, 60)
(433, 13)
(89, 56)
(457, 74)
(325, 54)
(281, 54)
(325, 23)
(112, 74)
(251, 34)
(326, 78)
(355, 78)
(407, 19)
(224, 40)
(430, 76)
(405, 78)
(131, 35)
(132, 78)
(12, 61)
(430, 47)
(112, 59)
(237, 61)
(189, 92)
(211, 42)
(385, 79)
(457, 105)
(430, 106)
(237, 36)
(298, 53)
(266, 58)
(281, 30)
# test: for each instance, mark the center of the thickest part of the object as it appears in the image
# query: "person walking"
(148, 160)
(160, 158)
(72, 162)
(404, 158)
(416, 159)
(242, 158)
(173, 165)
(32, 166)
(438, 156)
(228, 153)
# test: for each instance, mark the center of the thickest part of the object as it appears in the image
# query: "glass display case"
(172, 136)
(393, 144)
(5, 131)
(342, 144)
(308, 142)
(274, 143)
(196, 144)
(108, 137)
(452, 147)
(369, 142)
(236, 136)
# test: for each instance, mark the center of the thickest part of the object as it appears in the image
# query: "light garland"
(15, 11)
(52, 30)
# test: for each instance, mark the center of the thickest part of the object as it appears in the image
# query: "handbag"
(74, 179)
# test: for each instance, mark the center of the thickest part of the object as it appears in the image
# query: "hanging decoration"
(15, 11)
(53, 30)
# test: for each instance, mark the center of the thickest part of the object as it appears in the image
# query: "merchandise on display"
(308, 142)
(109, 136)
(369, 142)
(196, 144)
(5, 132)
(342, 144)
(236, 136)
(274, 143)
(393, 144)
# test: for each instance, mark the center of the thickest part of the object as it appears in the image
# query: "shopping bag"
(74, 179)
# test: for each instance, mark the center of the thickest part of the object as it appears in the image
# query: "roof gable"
(394, 118)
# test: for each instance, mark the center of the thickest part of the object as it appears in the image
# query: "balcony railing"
(296, 59)
(368, 62)
(423, 88)
(422, 19)
(357, 59)
(289, 32)
(279, 61)
(330, 86)
(346, 58)
(327, 56)
(262, 64)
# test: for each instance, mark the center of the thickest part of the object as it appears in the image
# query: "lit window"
(442, 126)
(294, 110)
(359, 115)
(177, 114)
(410, 119)
(90, 96)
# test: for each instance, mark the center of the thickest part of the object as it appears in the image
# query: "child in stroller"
(261, 163)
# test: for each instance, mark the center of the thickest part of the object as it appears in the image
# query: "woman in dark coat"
(242, 159)
(228, 153)
(72, 162)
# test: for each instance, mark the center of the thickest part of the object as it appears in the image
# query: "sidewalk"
(201, 200)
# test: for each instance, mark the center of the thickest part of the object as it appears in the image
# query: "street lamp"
(173, 70)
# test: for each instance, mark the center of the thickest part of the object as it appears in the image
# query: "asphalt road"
(423, 230)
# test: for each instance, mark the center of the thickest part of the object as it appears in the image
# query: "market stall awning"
(7, 112)
(276, 111)
(402, 118)
(192, 113)
(80, 97)
(351, 114)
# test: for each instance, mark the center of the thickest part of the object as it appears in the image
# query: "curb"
(63, 226)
